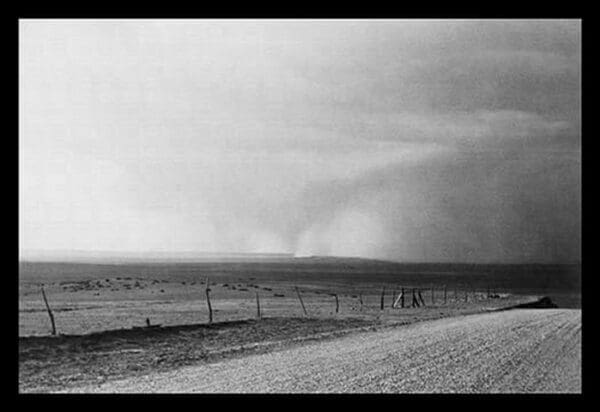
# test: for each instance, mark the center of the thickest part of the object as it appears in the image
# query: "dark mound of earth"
(543, 303)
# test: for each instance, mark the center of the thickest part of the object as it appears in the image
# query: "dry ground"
(524, 350)
(88, 306)
(102, 302)
(89, 298)
(47, 363)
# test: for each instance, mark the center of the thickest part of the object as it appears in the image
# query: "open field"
(95, 297)
(49, 363)
(517, 351)
(99, 309)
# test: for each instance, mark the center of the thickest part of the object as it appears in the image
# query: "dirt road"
(525, 350)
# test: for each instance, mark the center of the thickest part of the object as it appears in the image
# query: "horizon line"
(170, 255)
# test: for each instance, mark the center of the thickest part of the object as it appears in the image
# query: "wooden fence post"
(210, 314)
(337, 304)
(258, 315)
(421, 297)
(433, 295)
(49, 311)
(302, 303)
(402, 298)
(415, 302)
(361, 300)
(382, 297)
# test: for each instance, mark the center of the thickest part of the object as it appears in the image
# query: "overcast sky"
(403, 140)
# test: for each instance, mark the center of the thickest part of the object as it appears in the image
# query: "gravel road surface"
(526, 350)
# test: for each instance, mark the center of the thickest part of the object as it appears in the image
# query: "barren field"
(48, 363)
(89, 298)
(101, 310)
(522, 350)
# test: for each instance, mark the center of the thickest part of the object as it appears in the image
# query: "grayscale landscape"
(299, 206)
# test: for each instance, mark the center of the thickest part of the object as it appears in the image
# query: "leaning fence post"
(400, 297)
(49, 311)
(300, 298)
(361, 300)
(421, 297)
(337, 304)
(210, 314)
(258, 316)
(382, 297)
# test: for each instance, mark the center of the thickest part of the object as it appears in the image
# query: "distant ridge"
(81, 256)
(110, 256)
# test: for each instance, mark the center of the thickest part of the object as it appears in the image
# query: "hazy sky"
(405, 140)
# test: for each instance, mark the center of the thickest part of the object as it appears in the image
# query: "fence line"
(398, 300)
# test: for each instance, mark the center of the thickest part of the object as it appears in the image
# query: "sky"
(407, 140)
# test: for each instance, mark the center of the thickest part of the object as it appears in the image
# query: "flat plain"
(102, 309)
(518, 351)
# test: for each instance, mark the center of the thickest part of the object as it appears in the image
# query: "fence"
(390, 298)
